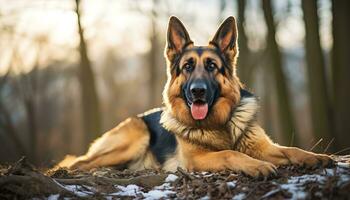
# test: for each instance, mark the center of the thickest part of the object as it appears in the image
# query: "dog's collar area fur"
(243, 115)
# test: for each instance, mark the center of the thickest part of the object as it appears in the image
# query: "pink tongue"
(199, 111)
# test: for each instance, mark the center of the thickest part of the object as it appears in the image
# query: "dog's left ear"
(226, 37)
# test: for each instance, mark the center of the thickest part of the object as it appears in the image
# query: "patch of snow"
(318, 194)
(344, 164)
(329, 172)
(295, 189)
(295, 184)
(239, 196)
(157, 194)
(53, 197)
(305, 178)
(272, 192)
(165, 186)
(78, 190)
(81, 191)
(205, 198)
(231, 184)
(171, 178)
(161, 191)
(341, 172)
(204, 174)
(129, 190)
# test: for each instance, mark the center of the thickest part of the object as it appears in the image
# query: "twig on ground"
(341, 151)
(328, 145)
(185, 174)
(147, 181)
(317, 143)
(22, 173)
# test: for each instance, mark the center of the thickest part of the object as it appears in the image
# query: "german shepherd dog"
(208, 122)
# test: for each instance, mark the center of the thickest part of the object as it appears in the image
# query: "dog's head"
(202, 87)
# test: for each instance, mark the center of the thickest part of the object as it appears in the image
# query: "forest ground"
(23, 181)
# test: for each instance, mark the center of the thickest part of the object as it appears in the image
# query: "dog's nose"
(198, 89)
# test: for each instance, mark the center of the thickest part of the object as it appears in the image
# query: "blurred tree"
(153, 58)
(89, 96)
(319, 96)
(25, 87)
(268, 99)
(244, 66)
(284, 106)
(341, 71)
(6, 124)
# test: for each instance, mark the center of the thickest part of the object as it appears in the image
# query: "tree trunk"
(153, 64)
(318, 90)
(284, 106)
(244, 66)
(153, 67)
(8, 128)
(89, 96)
(32, 128)
(341, 71)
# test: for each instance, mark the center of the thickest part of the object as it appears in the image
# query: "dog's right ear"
(177, 38)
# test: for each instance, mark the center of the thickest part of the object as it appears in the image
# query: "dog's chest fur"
(228, 137)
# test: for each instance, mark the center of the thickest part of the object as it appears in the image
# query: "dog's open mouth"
(199, 109)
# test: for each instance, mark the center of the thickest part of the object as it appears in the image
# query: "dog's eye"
(211, 66)
(188, 67)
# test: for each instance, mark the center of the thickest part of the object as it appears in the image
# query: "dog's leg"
(197, 159)
(128, 141)
(258, 145)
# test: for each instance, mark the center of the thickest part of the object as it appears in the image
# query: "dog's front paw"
(258, 168)
(313, 160)
(309, 159)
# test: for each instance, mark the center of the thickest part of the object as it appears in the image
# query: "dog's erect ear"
(226, 36)
(177, 38)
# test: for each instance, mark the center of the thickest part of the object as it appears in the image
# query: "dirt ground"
(22, 181)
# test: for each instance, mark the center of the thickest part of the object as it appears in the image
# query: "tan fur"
(66, 162)
(201, 159)
(147, 161)
(173, 162)
(228, 138)
(261, 147)
(128, 142)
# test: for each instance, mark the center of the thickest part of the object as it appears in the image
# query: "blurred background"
(71, 70)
